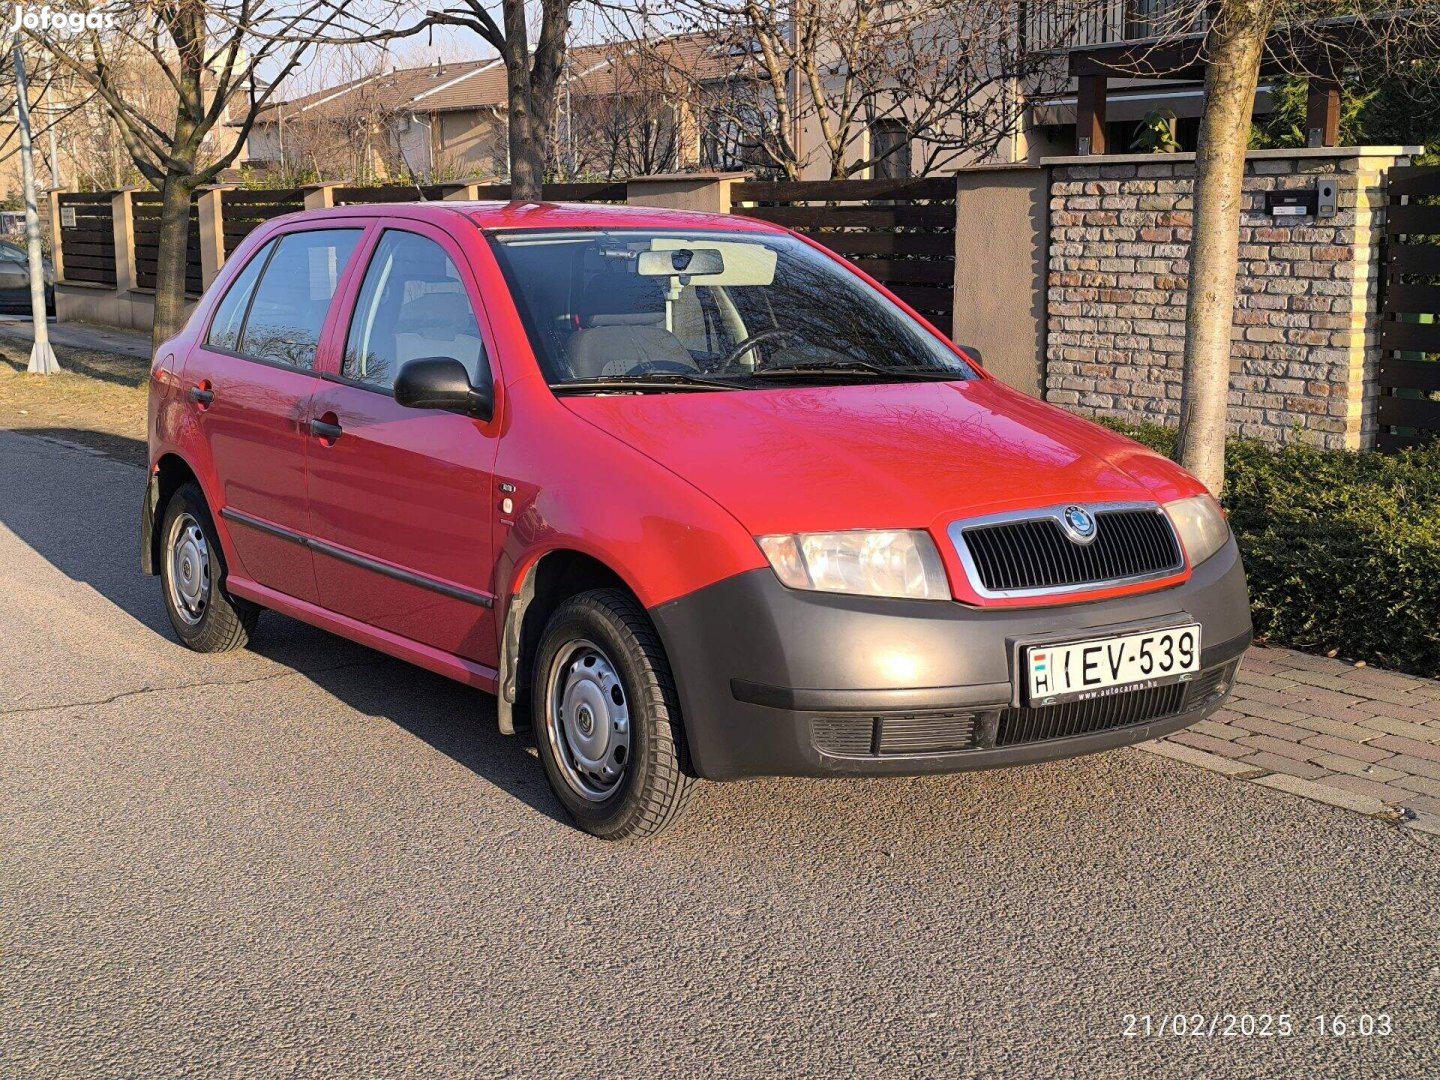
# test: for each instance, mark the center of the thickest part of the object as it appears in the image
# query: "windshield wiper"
(640, 384)
(858, 367)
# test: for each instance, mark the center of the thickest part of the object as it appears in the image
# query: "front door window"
(412, 304)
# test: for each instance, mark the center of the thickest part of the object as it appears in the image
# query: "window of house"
(294, 296)
(412, 304)
(890, 145)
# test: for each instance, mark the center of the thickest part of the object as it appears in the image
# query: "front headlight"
(1201, 525)
(899, 563)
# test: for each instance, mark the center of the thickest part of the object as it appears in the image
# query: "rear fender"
(148, 562)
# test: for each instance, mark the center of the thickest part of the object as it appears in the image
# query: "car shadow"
(81, 512)
(456, 720)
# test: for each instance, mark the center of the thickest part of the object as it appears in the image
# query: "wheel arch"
(170, 473)
(540, 586)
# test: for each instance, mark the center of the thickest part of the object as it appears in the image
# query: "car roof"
(545, 215)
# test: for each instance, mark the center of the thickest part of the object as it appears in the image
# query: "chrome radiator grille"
(1035, 553)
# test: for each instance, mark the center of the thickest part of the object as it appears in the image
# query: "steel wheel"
(588, 720)
(188, 579)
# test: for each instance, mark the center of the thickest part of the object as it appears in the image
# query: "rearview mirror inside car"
(441, 382)
(689, 261)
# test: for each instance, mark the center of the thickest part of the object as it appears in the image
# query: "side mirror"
(973, 353)
(441, 382)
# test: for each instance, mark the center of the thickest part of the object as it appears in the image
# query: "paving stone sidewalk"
(1357, 737)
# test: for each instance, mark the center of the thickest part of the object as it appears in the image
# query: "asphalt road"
(308, 860)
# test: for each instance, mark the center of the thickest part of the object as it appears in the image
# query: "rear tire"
(607, 719)
(205, 617)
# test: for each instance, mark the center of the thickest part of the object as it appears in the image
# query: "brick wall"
(1304, 355)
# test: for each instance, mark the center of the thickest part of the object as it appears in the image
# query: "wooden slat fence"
(87, 248)
(145, 213)
(1410, 309)
(355, 196)
(900, 232)
(593, 193)
(358, 196)
(243, 210)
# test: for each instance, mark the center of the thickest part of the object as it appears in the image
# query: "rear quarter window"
(229, 318)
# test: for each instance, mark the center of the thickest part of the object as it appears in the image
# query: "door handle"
(321, 430)
(202, 395)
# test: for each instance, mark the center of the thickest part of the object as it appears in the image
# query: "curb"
(1365, 805)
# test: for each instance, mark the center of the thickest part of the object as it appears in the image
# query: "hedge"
(1342, 548)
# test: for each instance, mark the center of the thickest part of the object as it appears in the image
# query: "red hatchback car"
(693, 497)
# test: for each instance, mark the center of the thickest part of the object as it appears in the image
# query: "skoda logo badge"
(1079, 523)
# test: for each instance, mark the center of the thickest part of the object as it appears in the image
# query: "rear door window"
(294, 295)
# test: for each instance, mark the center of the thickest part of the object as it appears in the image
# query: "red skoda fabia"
(692, 496)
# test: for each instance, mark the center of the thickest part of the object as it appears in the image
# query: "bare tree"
(348, 133)
(1238, 36)
(629, 115)
(531, 75)
(1233, 40)
(945, 73)
(207, 56)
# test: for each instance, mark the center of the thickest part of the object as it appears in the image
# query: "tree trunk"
(527, 148)
(1234, 52)
(170, 258)
(527, 134)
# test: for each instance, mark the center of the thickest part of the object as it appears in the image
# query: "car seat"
(622, 325)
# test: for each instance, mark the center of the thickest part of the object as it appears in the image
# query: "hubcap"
(588, 720)
(189, 566)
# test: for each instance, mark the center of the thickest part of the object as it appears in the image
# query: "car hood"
(901, 455)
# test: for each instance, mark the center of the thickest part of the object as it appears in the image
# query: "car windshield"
(664, 311)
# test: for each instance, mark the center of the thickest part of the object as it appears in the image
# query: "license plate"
(1079, 670)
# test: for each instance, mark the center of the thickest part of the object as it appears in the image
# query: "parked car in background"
(15, 280)
(691, 495)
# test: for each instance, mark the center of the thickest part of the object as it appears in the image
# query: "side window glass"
(294, 296)
(230, 315)
(412, 304)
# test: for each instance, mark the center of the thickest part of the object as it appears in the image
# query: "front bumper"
(779, 682)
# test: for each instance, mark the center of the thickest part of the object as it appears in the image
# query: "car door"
(401, 499)
(250, 382)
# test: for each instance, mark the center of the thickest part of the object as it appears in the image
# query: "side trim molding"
(402, 648)
(444, 588)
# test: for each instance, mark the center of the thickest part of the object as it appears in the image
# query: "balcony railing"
(1066, 25)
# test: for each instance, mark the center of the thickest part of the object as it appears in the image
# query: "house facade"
(704, 101)
(621, 110)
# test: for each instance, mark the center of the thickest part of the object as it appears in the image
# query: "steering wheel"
(732, 358)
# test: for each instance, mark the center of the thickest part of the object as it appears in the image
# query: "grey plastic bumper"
(755, 662)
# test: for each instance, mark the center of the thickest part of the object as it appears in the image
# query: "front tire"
(607, 719)
(205, 617)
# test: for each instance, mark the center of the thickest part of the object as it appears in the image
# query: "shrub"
(1342, 548)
